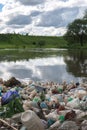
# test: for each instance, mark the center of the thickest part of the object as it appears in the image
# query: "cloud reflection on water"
(51, 68)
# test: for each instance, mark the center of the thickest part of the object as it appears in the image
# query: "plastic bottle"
(31, 121)
(50, 122)
(61, 118)
(56, 124)
(82, 114)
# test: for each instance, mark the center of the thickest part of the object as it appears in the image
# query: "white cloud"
(58, 17)
(39, 17)
(31, 68)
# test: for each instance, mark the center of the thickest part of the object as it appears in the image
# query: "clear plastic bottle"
(31, 121)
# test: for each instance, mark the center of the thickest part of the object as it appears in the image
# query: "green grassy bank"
(26, 41)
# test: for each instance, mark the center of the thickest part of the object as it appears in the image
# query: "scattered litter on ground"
(42, 105)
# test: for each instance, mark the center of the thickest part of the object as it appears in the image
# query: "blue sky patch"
(1, 6)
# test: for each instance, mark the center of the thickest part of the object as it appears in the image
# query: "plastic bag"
(9, 96)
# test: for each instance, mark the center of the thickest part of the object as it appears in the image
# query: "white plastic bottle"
(31, 121)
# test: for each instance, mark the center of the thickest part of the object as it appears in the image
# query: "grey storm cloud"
(30, 2)
(19, 20)
(35, 13)
(58, 18)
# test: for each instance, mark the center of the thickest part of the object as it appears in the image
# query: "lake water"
(44, 64)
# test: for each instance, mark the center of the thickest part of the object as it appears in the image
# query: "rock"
(12, 82)
(68, 125)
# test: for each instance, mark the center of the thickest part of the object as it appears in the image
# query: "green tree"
(77, 31)
(85, 15)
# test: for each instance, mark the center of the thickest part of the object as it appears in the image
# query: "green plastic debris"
(13, 107)
(36, 99)
(62, 118)
(42, 96)
(70, 99)
(60, 90)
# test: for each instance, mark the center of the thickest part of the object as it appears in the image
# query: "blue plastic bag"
(9, 96)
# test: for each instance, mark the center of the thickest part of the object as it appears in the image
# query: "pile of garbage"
(42, 105)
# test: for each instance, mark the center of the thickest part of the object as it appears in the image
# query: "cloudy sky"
(39, 17)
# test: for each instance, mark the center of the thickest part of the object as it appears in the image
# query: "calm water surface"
(44, 64)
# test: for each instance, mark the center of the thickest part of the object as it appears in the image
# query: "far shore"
(18, 41)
